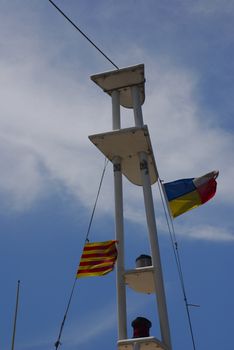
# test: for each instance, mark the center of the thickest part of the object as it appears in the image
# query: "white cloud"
(186, 142)
(21, 179)
(51, 125)
(46, 116)
(209, 233)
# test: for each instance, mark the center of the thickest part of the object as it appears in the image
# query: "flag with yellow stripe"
(98, 259)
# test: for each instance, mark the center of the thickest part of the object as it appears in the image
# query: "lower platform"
(147, 343)
(141, 279)
(128, 144)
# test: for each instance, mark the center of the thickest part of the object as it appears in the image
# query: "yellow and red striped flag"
(98, 259)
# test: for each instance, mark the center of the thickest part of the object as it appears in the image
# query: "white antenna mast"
(131, 153)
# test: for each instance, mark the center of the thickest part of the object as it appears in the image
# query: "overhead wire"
(58, 341)
(82, 33)
(174, 242)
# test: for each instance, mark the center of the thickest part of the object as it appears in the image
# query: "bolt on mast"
(131, 153)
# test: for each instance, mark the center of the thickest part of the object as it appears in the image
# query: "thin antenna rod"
(15, 319)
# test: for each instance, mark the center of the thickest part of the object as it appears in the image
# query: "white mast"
(119, 225)
(131, 152)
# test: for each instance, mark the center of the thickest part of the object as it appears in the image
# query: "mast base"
(146, 343)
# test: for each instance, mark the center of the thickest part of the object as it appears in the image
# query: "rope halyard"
(95, 203)
(174, 242)
(58, 341)
(16, 314)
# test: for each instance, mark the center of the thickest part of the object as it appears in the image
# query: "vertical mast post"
(137, 106)
(152, 229)
(115, 98)
(119, 226)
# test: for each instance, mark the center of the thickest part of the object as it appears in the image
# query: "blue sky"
(50, 171)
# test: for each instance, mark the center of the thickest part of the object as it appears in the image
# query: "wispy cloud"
(91, 328)
(88, 328)
(207, 233)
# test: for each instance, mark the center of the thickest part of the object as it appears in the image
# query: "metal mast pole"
(119, 226)
(152, 229)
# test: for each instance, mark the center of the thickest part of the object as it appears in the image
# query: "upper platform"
(122, 80)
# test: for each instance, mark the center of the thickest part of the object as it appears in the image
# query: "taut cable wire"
(177, 259)
(82, 33)
(16, 314)
(58, 342)
(95, 204)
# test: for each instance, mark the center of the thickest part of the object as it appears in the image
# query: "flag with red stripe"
(98, 259)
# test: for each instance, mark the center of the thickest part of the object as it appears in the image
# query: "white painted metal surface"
(141, 279)
(127, 144)
(122, 80)
(136, 101)
(116, 121)
(152, 231)
(148, 343)
(119, 227)
(155, 253)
